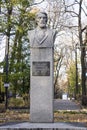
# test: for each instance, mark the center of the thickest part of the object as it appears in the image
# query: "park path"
(60, 104)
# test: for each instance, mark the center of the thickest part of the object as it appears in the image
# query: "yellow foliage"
(34, 10)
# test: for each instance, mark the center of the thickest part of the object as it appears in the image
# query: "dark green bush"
(26, 99)
(2, 107)
(16, 102)
(84, 100)
(1, 97)
(19, 102)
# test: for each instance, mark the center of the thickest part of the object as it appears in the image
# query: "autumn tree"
(77, 10)
(56, 19)
(15, 23)
(71, 74)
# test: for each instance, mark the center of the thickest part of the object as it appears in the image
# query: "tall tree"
(77, 9)
(71, 75)
(56, 20)
(15, 24)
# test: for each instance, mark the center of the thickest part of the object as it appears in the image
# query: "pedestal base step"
(43, 126)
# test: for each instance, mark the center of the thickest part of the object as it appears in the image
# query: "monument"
(41, 82)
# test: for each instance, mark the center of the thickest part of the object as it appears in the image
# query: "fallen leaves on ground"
(59, 116)
(70, 116)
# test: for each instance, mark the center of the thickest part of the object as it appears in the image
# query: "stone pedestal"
(41, 85)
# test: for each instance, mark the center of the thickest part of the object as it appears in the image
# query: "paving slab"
(66, 105)
(43, 126)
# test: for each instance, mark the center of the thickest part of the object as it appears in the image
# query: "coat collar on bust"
(43, 39)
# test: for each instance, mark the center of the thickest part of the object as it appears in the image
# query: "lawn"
(59, 116)
(70, 116)
(21, 115)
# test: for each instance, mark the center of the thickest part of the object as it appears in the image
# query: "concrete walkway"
(66, 105)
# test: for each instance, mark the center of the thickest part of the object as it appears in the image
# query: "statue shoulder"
(31, 32)
(53, 32)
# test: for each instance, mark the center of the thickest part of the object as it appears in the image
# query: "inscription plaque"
(40, 68)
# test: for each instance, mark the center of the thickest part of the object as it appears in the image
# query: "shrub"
(1, 97)
(26, 99)
(2, 107)
(84, 100)
(16, 102)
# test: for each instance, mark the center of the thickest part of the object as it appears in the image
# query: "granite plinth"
(41, 85)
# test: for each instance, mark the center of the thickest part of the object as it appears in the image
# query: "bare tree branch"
(84, 28)
(84, 12)
(37, 3)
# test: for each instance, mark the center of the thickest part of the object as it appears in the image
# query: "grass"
(22, 115)
(13, 116)
(59, 116)
(70, 116)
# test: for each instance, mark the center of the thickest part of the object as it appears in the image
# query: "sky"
(2, 49)
(41, 6)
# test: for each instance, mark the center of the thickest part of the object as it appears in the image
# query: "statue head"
(41, 19)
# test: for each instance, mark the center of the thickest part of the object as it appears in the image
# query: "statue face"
(41, 20)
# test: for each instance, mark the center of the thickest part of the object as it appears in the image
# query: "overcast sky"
(2, 48)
